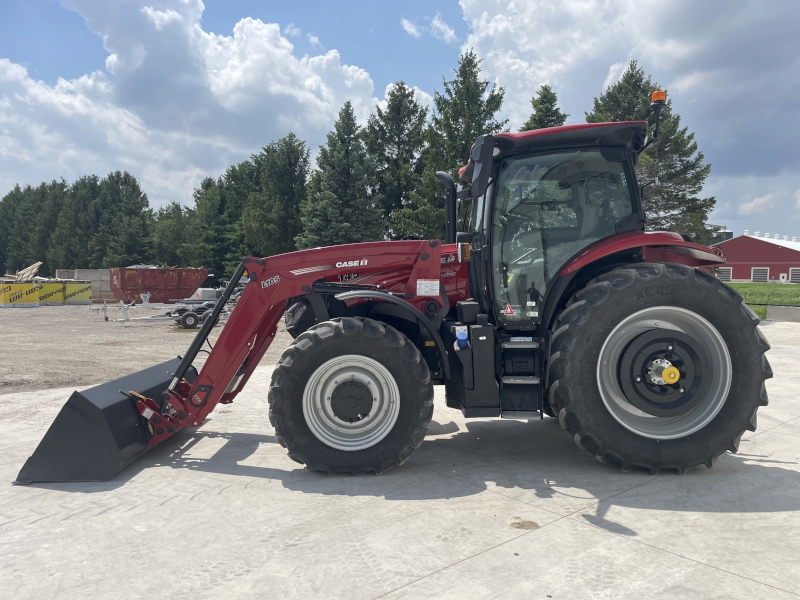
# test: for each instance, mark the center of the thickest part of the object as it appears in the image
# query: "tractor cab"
(536, 201)
(548, 195)
(538, 211)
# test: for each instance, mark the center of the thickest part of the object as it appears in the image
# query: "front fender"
(657, 246)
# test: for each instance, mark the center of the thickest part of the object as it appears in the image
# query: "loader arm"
(253, 322)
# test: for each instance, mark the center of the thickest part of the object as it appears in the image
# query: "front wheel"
(657, 366)
(351, 396)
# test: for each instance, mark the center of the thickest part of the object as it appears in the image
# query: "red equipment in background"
(164, 285)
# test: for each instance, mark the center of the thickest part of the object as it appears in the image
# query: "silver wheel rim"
(684, 321)
(338, 433)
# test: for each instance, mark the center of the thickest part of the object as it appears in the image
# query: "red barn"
(760, 259)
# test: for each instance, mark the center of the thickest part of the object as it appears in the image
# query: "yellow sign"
(19, 294)
(77, 292)
(51, 293)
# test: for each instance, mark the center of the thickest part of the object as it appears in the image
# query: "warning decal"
(427, 287)
(509, 310)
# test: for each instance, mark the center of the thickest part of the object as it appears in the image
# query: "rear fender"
(657, 246)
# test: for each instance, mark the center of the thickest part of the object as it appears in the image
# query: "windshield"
(548, 208)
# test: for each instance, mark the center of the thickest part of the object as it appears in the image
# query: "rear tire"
(599, 405)
(351, 396)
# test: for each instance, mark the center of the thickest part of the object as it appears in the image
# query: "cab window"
(547, 209)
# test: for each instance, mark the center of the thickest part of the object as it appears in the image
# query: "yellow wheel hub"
(671, 375)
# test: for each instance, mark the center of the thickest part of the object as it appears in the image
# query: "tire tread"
(565, 336)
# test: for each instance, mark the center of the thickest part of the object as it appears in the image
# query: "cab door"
(474, 214)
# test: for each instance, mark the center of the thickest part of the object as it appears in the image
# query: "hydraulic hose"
(205, 329)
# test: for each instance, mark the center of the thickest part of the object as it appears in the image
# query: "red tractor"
(549, 298)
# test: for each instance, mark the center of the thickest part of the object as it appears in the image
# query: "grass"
(757, 295)
(769, 293)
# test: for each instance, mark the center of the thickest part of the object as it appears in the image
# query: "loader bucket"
(99, 432)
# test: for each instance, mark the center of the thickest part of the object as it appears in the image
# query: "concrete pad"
(783, 357)
(570, 560)
(784, 313)
(485, 508)
(730, 517)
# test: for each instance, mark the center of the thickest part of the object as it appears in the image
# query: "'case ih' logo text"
(352, 263)
(270, 281)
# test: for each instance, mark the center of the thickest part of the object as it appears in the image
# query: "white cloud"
(314, 40)
(758, 205)
(615, 71)
(442, 31)
(727, 71)
(183, 102)
(161, 18)
(292, 31)
(797, 199)
(581, 46)
(411, 28)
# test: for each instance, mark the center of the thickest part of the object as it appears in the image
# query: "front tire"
(351, 396)
(657, 366)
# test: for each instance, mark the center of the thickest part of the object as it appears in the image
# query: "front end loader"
(548, 298)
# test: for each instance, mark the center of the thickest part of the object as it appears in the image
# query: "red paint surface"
(396, 266)
(563, 129)
(550, 132)
(658, 245)
(745, 252)
(163, 284)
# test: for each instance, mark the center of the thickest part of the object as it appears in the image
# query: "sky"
(175, 90)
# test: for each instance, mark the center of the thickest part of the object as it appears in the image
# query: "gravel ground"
(65, 346)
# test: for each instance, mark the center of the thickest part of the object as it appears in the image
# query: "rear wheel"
(351, 396)
(657, 367)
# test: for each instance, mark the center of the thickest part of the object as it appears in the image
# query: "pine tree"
(395, 139)
(545, 111)
(339, 208)
(170, 235)
(270, 218)
(130, 223)
(69, 242)
(466, 109)
(8, 209)
(674, 203)
(207, 229)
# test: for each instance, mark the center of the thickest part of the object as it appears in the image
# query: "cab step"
(524, 415)
(521, 380)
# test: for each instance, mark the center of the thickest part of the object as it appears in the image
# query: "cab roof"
(629, 134)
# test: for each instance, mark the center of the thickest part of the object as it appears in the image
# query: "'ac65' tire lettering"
(651, 292)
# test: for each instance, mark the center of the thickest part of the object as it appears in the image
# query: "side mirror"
(482, 154)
